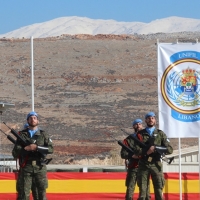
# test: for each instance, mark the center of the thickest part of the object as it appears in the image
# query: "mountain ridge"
(83, 25)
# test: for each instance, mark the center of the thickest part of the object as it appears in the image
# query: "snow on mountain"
(171, 25)
(83, 25)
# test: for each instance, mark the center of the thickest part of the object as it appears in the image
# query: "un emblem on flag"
(180, 88)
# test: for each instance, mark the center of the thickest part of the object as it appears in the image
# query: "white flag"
(179, 89)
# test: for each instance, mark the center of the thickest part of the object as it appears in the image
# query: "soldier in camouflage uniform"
(131, 162)
(31, 158)
(150, 163)
(20, 178)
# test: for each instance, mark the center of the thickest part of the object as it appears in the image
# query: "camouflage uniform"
(20, 188)
(150, 165)
(132, 168)
(31, 165)
(34, 190)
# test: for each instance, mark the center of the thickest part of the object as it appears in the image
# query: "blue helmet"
(150, 114)
(31, 114)
(136, 121)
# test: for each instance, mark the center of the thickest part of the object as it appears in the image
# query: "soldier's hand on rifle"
(31, 147)
(151, 150)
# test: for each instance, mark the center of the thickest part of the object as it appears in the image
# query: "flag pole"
(32, 75)
(180, 178)
(180, 169)
(199, 165)
(199, 147)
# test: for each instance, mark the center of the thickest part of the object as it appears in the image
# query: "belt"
(34, 162)
(151, 159)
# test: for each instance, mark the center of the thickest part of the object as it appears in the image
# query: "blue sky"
(15, 14)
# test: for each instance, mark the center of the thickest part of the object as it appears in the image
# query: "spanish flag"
(101, 185)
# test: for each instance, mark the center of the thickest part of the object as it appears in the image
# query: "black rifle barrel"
(9, 137)
(129, 150)
(21, 140)
(136, 139)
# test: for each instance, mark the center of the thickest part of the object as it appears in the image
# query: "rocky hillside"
(86, 88)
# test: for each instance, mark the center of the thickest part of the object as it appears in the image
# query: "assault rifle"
(23, 142)
(20, 139)
(159, 149)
